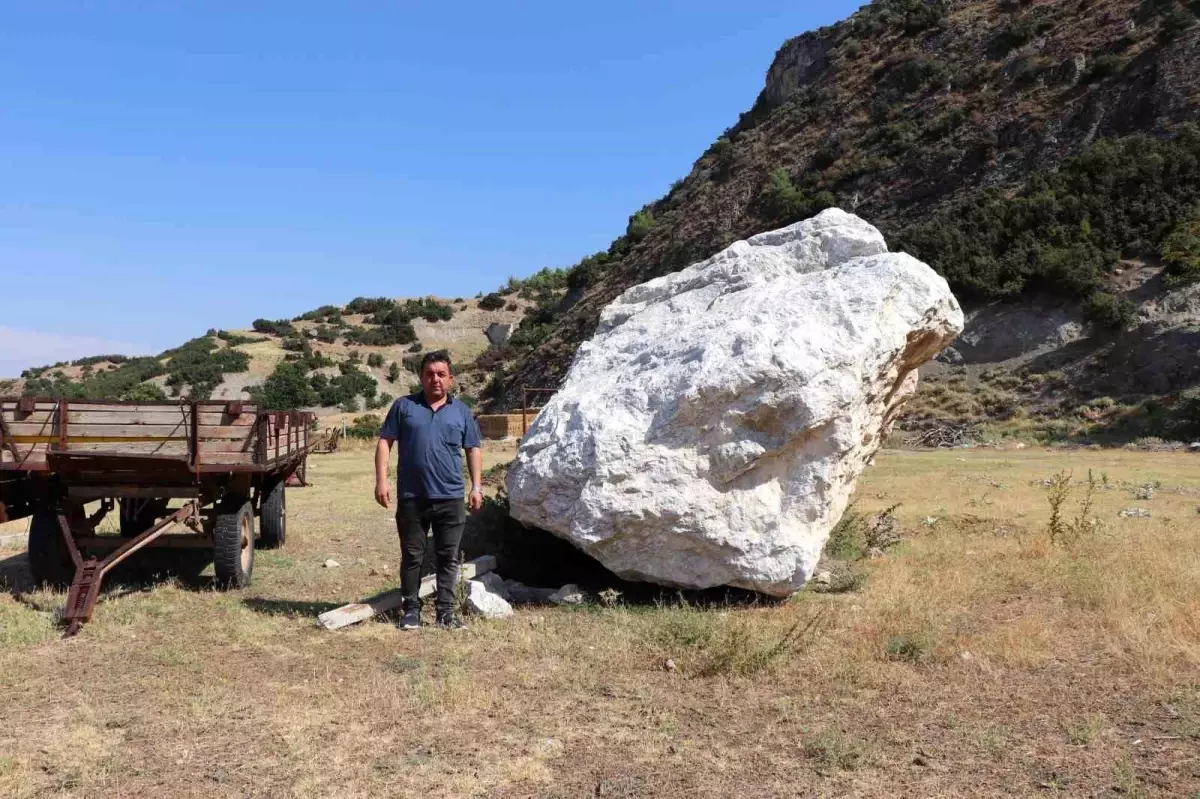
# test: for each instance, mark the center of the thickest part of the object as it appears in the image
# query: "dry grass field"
(977, 657)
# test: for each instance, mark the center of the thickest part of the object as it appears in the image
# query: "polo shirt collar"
(425, 402)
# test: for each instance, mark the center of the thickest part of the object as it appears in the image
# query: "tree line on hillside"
(1064, 231)
(198, 365)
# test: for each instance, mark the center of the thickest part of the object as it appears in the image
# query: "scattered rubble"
(482, 602)
(569, 594)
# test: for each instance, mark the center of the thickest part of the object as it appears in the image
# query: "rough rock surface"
(712, 430)
(483, 602)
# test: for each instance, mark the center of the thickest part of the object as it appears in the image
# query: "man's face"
(436, 380)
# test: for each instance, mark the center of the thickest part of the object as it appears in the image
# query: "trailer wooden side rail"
(228, 461)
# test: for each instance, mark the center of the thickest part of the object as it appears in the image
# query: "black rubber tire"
(233, 544)
(272, 517)
(50, 562)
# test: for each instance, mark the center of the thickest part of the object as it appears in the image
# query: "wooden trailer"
(219, 468)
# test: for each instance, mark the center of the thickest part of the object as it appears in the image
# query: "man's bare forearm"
(475, 466)
(382, 452)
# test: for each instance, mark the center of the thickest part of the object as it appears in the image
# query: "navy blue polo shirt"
(431, 445)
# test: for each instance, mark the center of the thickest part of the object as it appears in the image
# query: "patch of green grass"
(911, 647)
(836, 749)
(23, 626)
(726, 643)
(1082, 732)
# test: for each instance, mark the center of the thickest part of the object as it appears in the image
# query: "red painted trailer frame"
(227, 462)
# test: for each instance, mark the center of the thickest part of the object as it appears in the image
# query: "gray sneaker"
(411, 620)
(450, 621)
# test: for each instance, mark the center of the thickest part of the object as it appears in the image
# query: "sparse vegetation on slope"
(1020, 148)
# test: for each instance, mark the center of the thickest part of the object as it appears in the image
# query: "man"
(433, 428)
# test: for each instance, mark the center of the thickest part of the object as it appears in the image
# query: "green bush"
(1108, 310)
(1103, 67)
(492, 302)
(294, 344)
(375, 360)
(287, 388)
(1181, 252)
(381, 336)
(200, 365)
(393, 372)
(326, 313)
(365, 427)
(912, 73)
(237, 339)
(640, 225)
(429, 309)
(1063, 229)
(280, 327)
(369, 305)
(783, 203)
(92, 360)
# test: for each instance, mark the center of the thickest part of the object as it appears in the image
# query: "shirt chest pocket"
(452, 436)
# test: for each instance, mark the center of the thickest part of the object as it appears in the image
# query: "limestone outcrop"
(712, 430)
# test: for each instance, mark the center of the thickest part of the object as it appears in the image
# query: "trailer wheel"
(49, 561)
(272, 517)
(233, 544)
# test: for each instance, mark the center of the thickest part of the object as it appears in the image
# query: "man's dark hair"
(437, 356)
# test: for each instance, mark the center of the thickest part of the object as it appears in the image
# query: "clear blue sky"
(163, 170)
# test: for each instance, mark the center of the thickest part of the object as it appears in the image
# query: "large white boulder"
(712, 430)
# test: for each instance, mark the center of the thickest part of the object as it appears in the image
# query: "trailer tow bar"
(89, 574)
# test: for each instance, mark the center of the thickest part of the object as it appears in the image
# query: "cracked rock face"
(712, 430)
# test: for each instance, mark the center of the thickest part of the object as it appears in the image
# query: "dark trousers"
(414, 519)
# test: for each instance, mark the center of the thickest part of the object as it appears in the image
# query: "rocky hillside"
(1041, 154)
(335, 360)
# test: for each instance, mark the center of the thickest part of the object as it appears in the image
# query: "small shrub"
(1108, 310)
(375, 360)
(365, 427)
(913, 73)
(492, 302)
(835, 750)
(911, 648)
(237, 339)
(369, 305)
(1061, 531)
(1181, 252)
(280, 327)
(1102, 67)
(731, 644)
(393, 372)
(640, 225)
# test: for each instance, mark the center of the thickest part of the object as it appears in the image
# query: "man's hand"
(475, 500)
(383, 494)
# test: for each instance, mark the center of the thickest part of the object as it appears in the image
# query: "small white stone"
(483, 602)
(331, 564)
(823, 577)
(569, 594)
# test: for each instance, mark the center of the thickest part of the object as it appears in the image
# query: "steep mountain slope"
(1039, 153)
